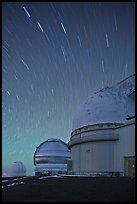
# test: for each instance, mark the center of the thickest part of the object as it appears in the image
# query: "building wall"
(75, 158)
(125, 147)
(98, 155)
(93, 156)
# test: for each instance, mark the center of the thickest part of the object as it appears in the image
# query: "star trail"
(54, 55)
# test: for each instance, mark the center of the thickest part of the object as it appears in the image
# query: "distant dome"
(52, 147)
(104, 106)
(17, 169)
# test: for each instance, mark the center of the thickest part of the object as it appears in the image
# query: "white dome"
(104, 106)
(52, 147)
(17, 169)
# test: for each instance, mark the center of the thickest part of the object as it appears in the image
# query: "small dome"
(17, 169)
(104, 106)
(52, 147)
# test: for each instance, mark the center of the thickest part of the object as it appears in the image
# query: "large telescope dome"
(104, 106)
(51, 156)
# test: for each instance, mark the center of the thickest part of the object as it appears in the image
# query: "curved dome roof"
(52, 147)
(17, 169)
(104, 106)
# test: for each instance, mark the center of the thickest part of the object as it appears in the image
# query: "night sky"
(54, 55)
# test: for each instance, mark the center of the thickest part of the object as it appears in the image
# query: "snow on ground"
(4, 180)
(52, 176)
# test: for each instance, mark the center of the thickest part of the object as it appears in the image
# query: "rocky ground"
(68, 189)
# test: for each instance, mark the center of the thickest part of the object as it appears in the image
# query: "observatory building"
(103, 132)
(51, 157)
(17, 169)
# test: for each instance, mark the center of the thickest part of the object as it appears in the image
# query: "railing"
(93, 138)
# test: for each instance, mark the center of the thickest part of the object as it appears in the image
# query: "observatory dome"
(51, 156)
(52, 147)
(104, 106)
(17, 169)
